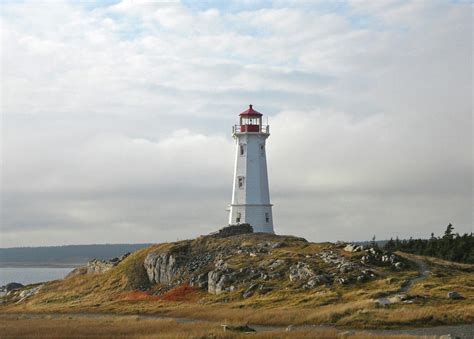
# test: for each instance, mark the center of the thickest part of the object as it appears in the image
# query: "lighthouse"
(250, 193)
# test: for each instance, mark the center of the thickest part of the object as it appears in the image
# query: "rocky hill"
(260, 263)
(235, 271)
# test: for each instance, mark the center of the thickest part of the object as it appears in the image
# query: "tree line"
(450, 246)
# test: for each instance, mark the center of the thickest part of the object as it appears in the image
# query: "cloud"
(117, 118)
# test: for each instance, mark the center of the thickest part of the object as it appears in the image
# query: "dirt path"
(423, 272)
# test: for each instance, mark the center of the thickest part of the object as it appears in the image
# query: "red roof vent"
(251, 112)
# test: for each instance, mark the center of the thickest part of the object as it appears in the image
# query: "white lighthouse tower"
(250, 195)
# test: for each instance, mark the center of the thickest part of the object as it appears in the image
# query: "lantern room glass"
(251, 121)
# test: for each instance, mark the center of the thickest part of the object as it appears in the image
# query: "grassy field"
(135, 327)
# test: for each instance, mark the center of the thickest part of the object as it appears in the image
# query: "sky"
(116, 117)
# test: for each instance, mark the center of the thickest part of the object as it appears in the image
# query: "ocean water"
(30, 275)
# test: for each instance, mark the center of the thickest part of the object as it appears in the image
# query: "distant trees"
(451, 246)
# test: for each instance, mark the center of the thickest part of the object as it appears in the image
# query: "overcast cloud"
(116, 117)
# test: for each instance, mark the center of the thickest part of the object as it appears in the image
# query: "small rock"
(277, 245)
(398, 265)
(453, 295)
(403, 297)
(244, 329)
(250, 291)
(353, 248)
(265, 289)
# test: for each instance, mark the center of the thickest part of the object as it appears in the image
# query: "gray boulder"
(220, 279)
(12, 286)
(301, 271)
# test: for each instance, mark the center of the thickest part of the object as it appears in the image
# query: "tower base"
(258, 216)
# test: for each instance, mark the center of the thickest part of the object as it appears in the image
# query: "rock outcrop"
(96, 266)
(231, 230)
(257, 263)
(18, 295)
(11, 286)
(204, 262)
(162, 268)
(377, 257)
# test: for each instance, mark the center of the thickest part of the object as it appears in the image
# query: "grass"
(138, 327)
(103, 327)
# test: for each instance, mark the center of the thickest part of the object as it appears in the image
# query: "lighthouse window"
(242, 149)
(267, 217)
(262, 149)
(237, 219)
(241, 182)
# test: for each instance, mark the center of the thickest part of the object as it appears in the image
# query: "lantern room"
(250, 121)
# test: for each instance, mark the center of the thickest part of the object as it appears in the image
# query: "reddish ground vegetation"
(180, 293)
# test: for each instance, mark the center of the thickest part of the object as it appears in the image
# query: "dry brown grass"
(135, 327)
(102, 327)
(438, 262)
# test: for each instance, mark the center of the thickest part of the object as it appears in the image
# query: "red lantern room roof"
(250, 112)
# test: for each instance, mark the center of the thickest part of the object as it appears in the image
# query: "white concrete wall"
(252, 201)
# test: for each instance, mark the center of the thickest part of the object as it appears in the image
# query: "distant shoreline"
(39, 265)
(63, 256)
